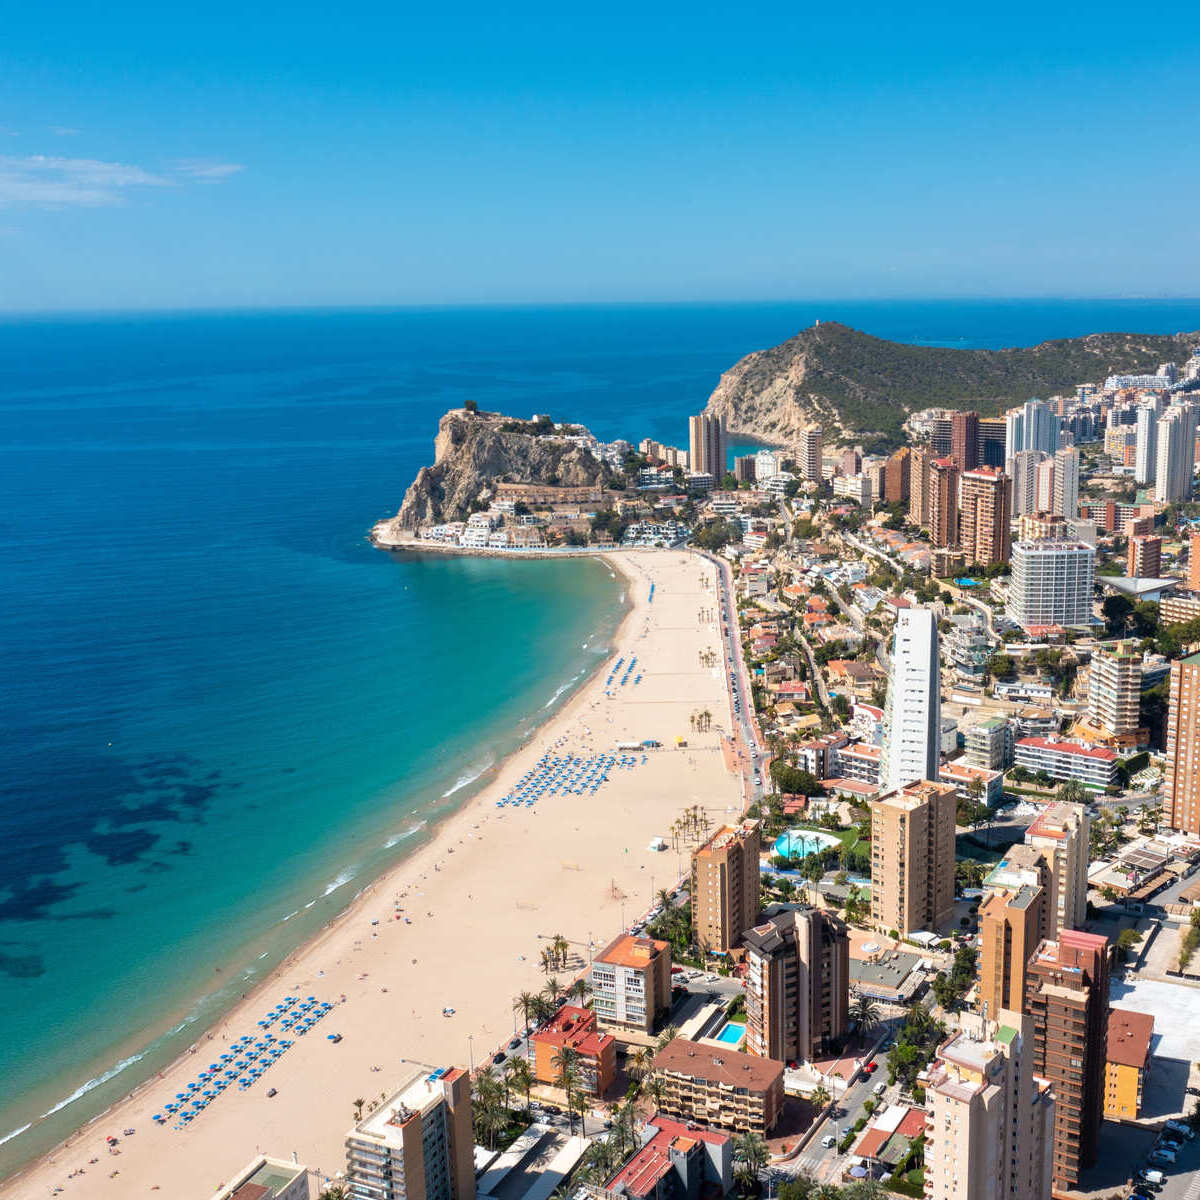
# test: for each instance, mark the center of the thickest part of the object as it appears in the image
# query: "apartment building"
(989, 744)
(1181, 792)
(912, 857)
(1127, 1063)
(717, 1087)
(631, 983)
(268, 1178)
(676, 1161)
(797, 984)
(943, 502)
(1066, 994)
(1115, 688)
(918, 486)
(990, 1123)
(1011, 924)
(1093, 766)
(417, 1145)
(897, 477)
(964, 440)
(1051, 583)
(912, 711)
(725, 886)
(576, 1029)
(983, 522)
(809, 451)
(707, 444)
(1143, 559)
(1060, 834)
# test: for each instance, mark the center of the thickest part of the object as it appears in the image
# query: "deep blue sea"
(222, 711)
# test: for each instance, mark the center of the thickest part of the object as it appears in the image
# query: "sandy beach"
(454, 926)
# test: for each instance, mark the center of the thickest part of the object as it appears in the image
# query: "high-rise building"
(1051, 584)
(797, 984)
(897, 481)
(1033, 426)
(1143, 558)
(1044, 485)
(912, 716)
(743, 468)
(1060, 834)
(991, 1119)
(707, 443)
(991, 441)
(912, 857)
(1065, 500)
(918, 486)
(1146, 453)
(943, 502)
(989, 744)
(1181, 793)
(809, 450)
(983, 523)
(1011, 924)
(418, 1145)
(1066, 994)
(964, 440)
(1176, 455)
(1115, 687)
(725, 886)
(766, 464)
(631, 982)
(851, 461)
(1023, 469)
(1194, 563)
(1041, 526)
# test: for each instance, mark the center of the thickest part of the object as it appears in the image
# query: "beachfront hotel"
(418, 1145)
(725, 886)
(912, 857)
(797, 985)
(573, 1028)
(631, 983)
(714, 1086)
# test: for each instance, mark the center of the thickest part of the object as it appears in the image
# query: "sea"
(222, 712)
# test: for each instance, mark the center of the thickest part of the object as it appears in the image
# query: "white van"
(879, 1088)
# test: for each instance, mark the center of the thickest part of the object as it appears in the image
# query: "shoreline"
(455, 822)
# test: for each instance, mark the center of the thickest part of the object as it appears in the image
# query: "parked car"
(829, 1141)
(514, 1043)
(1150, 1175)
(1180, 1128)
(1168, 1142)
(879, 1088)
(1161, 1156)
(1193, 1091)
(499, 1057)
(871, 1067)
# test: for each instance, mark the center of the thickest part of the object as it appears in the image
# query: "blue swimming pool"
(967, 582)
(732, 1033)
(800, 843)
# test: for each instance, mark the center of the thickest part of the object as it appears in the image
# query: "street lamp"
(470, 1054)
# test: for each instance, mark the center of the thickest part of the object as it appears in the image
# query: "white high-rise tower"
(912, 718)
(1176, 454)
(1147, 445)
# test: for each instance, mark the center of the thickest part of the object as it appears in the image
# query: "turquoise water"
(223, 712)
(800, 843)
(732, 1033)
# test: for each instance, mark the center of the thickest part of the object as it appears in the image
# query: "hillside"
(862, 387)
(473, 451)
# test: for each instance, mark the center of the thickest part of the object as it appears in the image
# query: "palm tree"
(865, 1014)
(820, 1097)
(655, 1089)
(560, 947)
(358, 1107)
(751, 1154)
(664, 899)
(518, 1074)
(552, 991)
(666, 1037)
(641, 1063)
(580, 989)
(525, 1004)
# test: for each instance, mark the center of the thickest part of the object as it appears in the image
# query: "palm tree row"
(539, 1007)
(692, 825)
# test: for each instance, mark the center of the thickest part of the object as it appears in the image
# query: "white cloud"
(210, 172)
(45, 181)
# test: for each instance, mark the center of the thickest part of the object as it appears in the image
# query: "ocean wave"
(471, 775)
(91, 1084)
(341, 881)
(570, 683)
(294, 913)
(397, 838)
(8, 1137)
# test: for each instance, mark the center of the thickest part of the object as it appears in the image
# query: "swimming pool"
(732, 1033)
(800, 843)
(967, 582)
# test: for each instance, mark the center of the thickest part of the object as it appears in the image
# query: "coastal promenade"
(456, 925)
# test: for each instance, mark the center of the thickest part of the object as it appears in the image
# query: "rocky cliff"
(474, 451)
(858, 387)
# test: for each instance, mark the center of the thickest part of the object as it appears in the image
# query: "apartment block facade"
(718, 1087)
(631, 983)
(725, 886)
(983, 522)
(1181, 791)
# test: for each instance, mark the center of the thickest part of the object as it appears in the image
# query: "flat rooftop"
(413, 1098)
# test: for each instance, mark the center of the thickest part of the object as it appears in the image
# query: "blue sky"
(159, 156)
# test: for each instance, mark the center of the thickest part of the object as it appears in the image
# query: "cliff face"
(473, 451)
(857, 386)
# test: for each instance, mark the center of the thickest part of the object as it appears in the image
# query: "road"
(818, 677)
(865, 549)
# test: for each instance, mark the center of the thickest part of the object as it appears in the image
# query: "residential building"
(1033, 426)
(707, 444)
(1127, 1063)
(1060, 834)
(809, 450)
(861, 762)
(676, 1161)
(1146, 453)
(1193, 579)
(797, 985)
(912, 857)
(1066, 994)
(968, 646)
(1065, 500)
(268, 1178)
(851, 461)
(1179, 606)
(725, 886)
(574, 1028)
(967, 780)
(1041, 526)
(1044, 484)
(991, 441)
(943, 502)
(1144, 558)
(1051, 584)
(714, 1086)
(1012, 922)
(1181, 790)
(1093, 766)
(897, 480)
(983, 521)
(1022, 469)
(631, 983)
(964, 440)
(918, 486)
(990, 1125)
(989, 744)
(1176, 454)
(417, 1145)
(1115, 687)
(912, 712)
(744, 468)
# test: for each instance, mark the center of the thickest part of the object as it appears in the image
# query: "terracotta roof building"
(575, 1029)
(677, 1162)
(1127, 1065)
(719, 1087)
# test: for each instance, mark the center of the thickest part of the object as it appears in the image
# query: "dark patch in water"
(182, 848)
(117, 849)
(31, 901)
(89, 914)
(22, 966)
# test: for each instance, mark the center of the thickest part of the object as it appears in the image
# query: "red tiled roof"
(1129, 1035)
(1101, 753)
(642, 1172)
